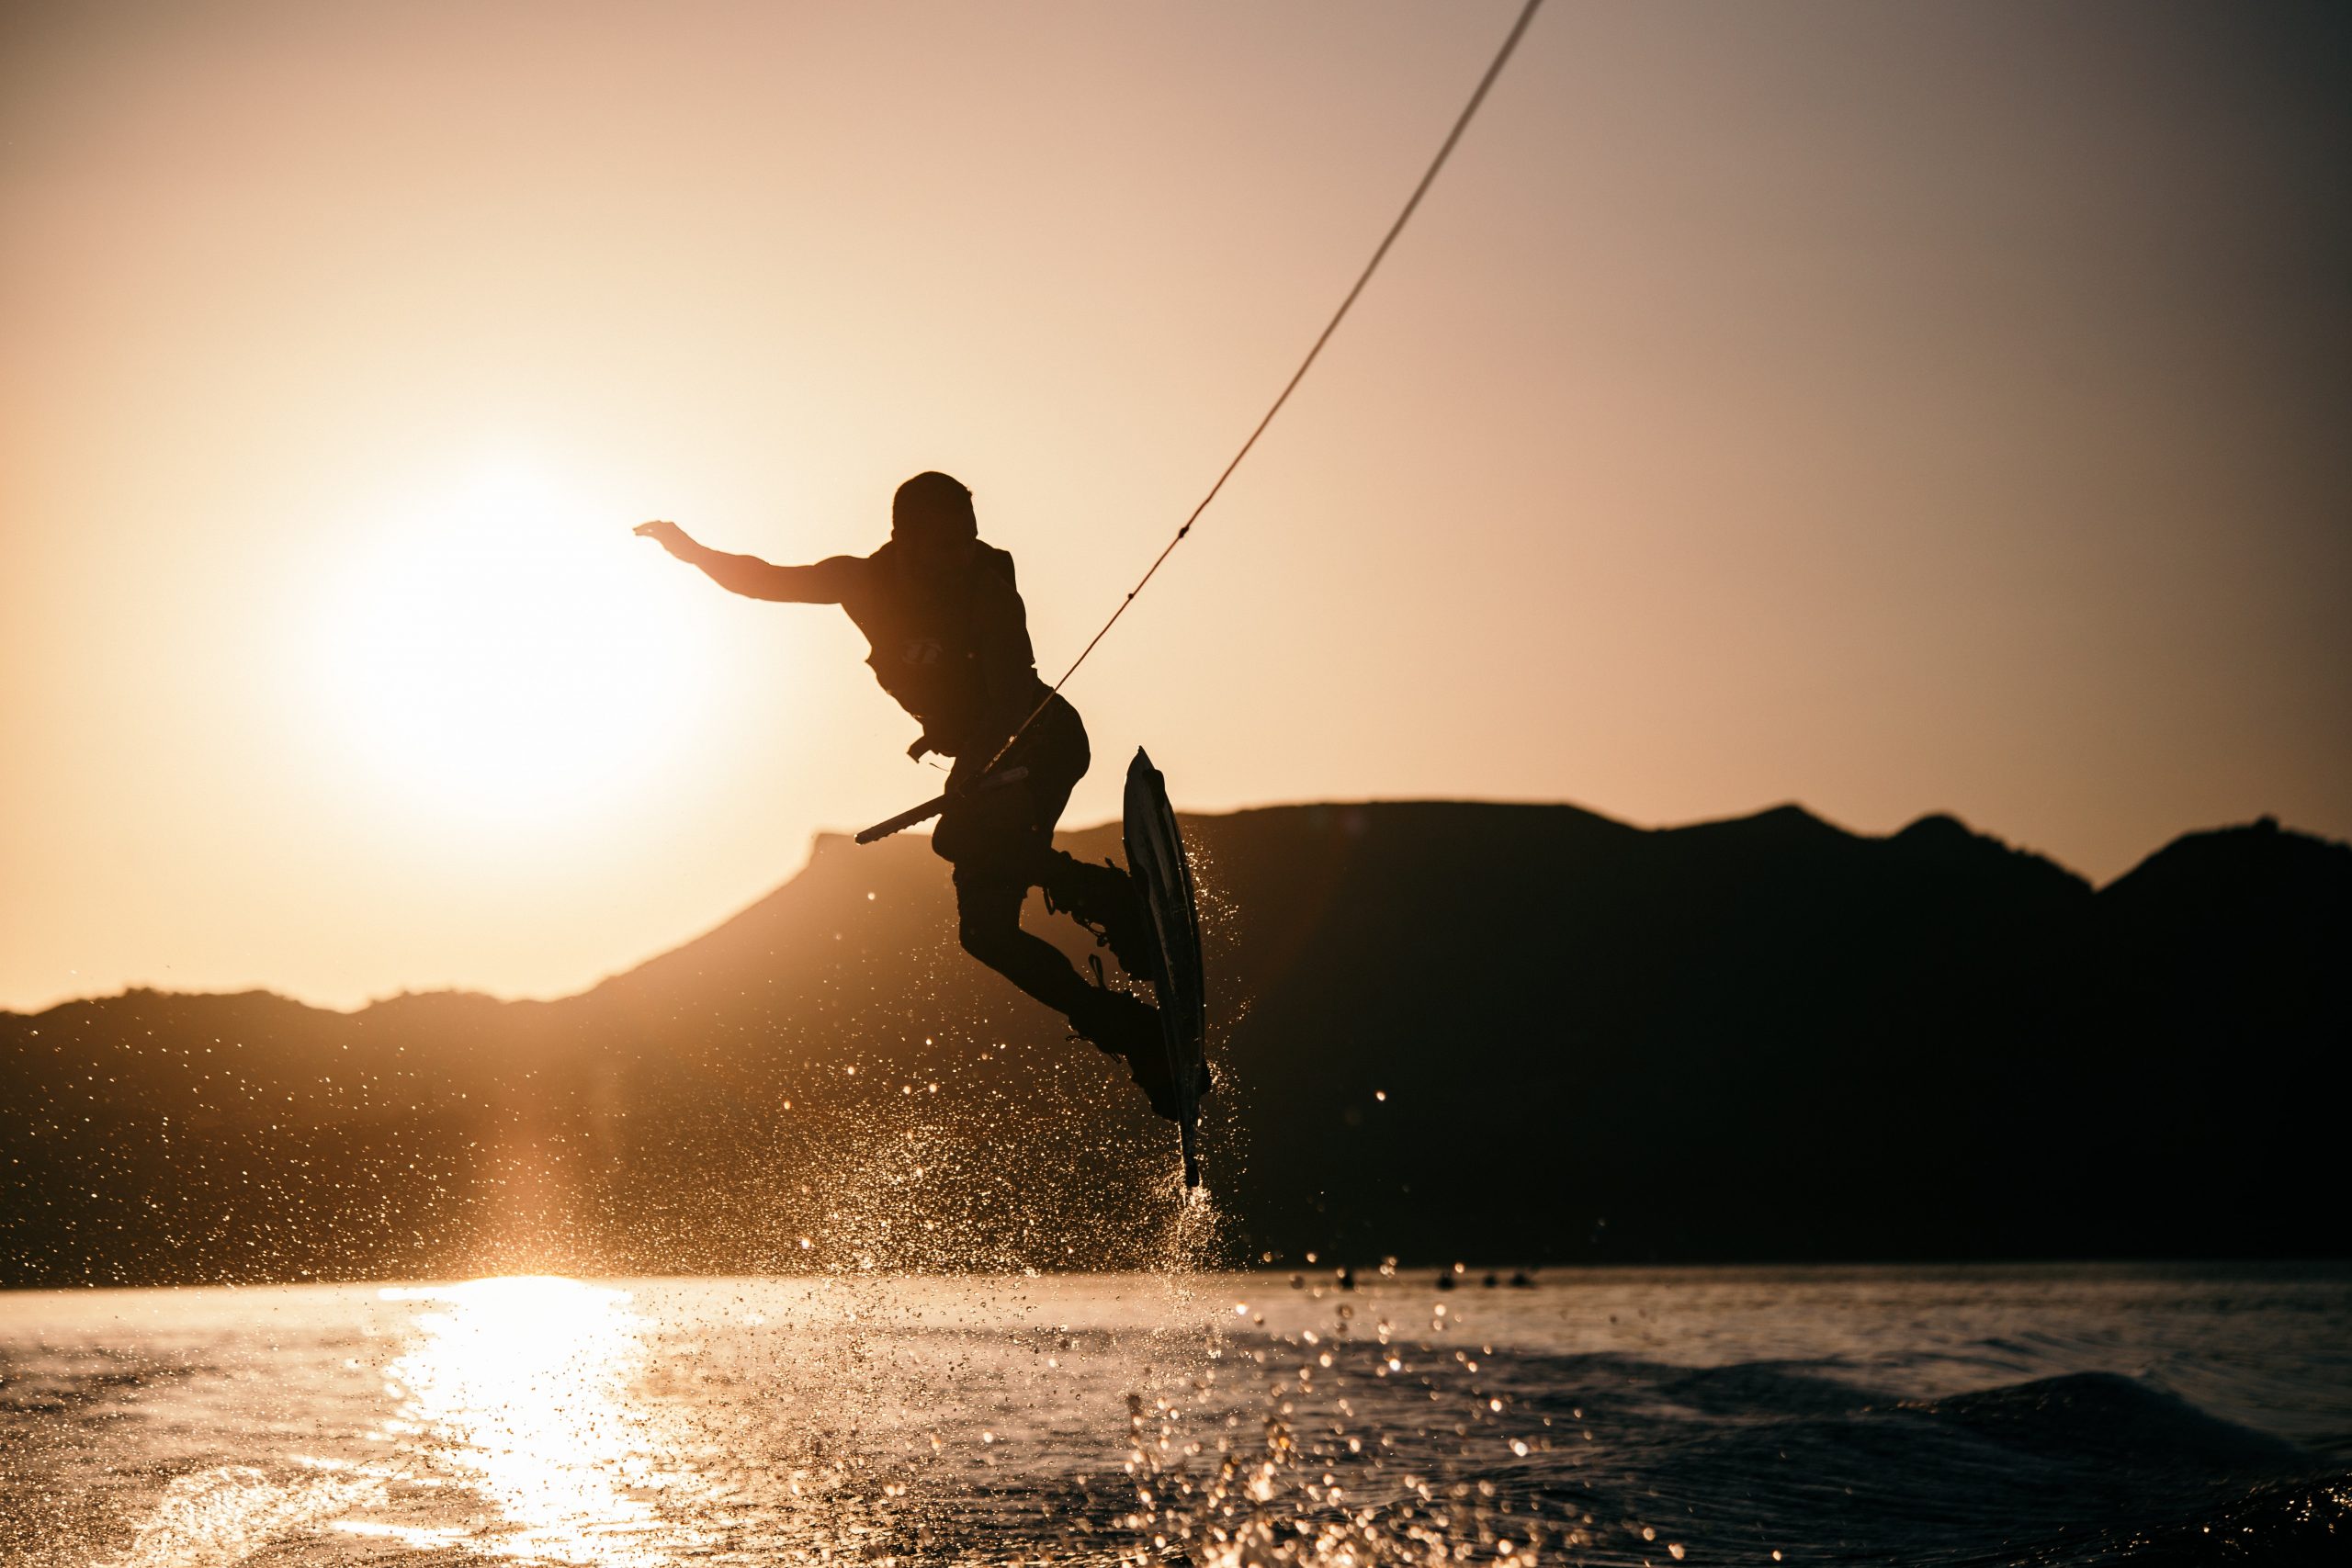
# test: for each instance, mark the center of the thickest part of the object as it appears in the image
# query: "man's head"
(932, 510)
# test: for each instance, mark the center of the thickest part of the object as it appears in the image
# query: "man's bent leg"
(996, 842)
(988, 921)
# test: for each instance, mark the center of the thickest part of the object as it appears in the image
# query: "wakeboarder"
(949, 641)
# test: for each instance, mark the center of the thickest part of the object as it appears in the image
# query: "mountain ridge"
(1447, 1029)
(830, 840)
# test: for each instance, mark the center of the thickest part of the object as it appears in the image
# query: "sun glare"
(510, 652)
(525, 1386)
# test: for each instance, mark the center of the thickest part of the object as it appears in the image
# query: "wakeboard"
(1163, 876)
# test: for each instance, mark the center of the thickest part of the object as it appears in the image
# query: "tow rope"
(1445, 150)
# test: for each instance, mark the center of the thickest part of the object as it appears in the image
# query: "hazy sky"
(1889, 407)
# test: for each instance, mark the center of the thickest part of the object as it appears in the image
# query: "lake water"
(2065, 1415)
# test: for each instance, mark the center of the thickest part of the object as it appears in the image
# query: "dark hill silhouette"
(1448, 1031)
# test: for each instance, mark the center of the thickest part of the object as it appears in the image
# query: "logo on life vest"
(923, 651)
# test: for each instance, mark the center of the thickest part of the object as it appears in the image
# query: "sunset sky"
(1888, 407)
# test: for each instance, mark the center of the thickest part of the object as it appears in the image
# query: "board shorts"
(1001, 836)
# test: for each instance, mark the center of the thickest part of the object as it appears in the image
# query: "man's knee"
(985, 939)
(958, 837)
(993, 827)
(988, 918)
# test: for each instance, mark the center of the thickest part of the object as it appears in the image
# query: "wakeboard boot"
(1118, 1024)
(1103, 899)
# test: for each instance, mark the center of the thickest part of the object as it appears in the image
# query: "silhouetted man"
(950, 642)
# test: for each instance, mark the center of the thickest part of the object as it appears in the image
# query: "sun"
(507, 651)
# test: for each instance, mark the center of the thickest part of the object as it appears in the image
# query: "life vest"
(923, 646)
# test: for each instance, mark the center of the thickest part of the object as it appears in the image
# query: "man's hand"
(670, 537)
(920, 749)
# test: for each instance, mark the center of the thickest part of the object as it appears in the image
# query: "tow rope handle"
(937, 804)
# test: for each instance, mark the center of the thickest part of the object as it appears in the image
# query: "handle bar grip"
(934, 806)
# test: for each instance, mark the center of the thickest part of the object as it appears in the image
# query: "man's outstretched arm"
(826, 583)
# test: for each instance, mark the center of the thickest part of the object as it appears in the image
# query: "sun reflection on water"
(522, 1387)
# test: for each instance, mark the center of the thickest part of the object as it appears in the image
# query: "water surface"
(1996, 1415)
